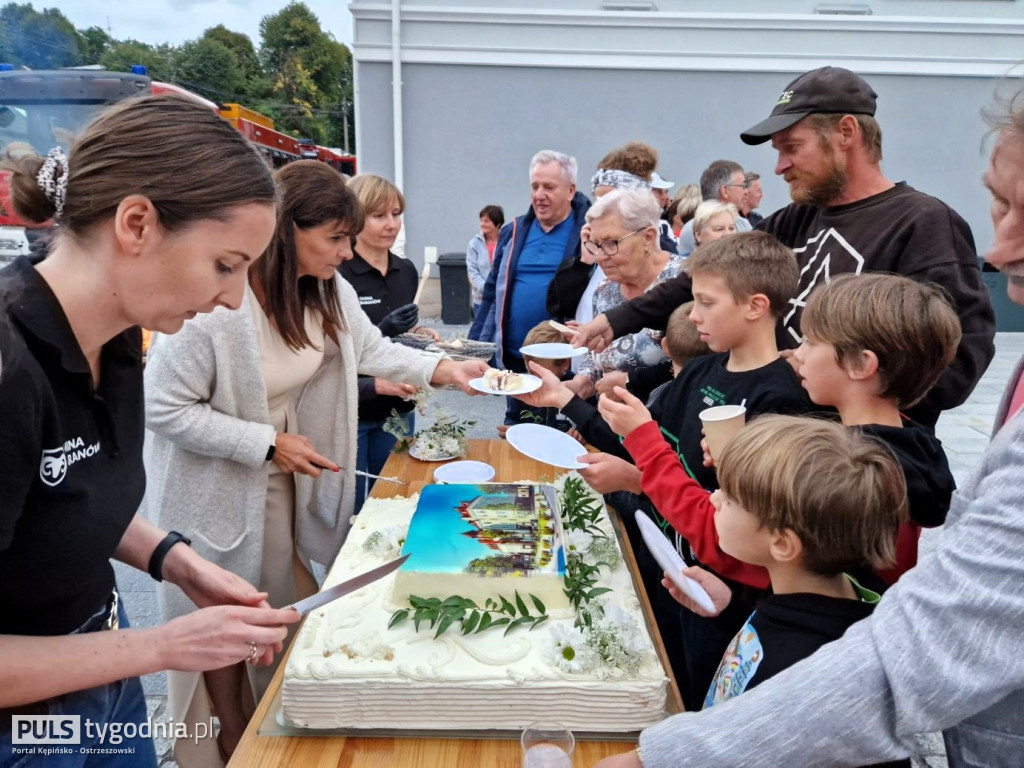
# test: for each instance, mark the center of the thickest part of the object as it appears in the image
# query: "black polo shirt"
(71, 469)
(379, 295)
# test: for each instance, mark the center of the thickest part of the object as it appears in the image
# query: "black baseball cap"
(829, 89)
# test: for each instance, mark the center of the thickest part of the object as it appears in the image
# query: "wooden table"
(364, 752)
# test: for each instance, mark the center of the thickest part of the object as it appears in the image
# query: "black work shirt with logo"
(71, 468)
(379, 295)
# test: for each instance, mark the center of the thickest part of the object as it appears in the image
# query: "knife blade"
(351, 585)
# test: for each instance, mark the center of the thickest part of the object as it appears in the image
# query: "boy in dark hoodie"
(808, 500)
(873, 346)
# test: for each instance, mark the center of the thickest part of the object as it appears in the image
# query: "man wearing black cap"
(846, 216)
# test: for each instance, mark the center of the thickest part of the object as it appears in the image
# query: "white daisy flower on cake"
(566, 648)
(577, 542)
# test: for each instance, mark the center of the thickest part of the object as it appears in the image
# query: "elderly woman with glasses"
(622, 237)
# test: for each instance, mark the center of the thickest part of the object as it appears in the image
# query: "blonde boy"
(542, 333)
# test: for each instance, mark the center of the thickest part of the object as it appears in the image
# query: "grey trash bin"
(455, 294)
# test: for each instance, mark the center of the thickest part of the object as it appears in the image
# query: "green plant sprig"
(473, 619)
(581, 507)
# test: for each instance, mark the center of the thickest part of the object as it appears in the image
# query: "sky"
(175, 21)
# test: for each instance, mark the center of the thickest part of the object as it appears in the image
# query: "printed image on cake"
(503, 381)
(480, 540)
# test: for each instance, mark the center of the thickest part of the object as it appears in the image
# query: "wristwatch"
(156, 560)
(271, 451)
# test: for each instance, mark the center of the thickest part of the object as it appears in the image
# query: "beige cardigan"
(206, 407)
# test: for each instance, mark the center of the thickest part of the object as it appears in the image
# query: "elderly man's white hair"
(566, 162)
(637, 207)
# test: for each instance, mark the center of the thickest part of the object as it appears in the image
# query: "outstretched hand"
(623, 416)
(597, 334)
(459, 374)
(606, 473)
(553, 392)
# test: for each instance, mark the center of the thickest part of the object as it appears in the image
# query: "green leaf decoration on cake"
(581, 510)
(441, 615)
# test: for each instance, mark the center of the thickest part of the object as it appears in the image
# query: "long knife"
(338, 590)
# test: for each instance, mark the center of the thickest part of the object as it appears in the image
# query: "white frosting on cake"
(348, 670)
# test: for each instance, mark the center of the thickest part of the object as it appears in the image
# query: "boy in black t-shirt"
(809, 501)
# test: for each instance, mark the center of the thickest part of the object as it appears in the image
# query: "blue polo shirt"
(538, 261)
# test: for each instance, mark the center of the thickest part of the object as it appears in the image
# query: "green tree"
(256, 85)
(94, 42)
(492, 565)
(158, 60)
(211, 69)
(36, 40)
(312, 73)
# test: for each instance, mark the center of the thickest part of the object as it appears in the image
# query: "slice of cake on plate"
(503, 381)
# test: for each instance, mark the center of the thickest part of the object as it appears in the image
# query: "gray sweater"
(945, 646)
(206, 404)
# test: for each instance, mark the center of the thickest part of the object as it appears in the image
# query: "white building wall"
(484, 88)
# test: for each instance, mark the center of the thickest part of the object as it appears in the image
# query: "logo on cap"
(784, 98)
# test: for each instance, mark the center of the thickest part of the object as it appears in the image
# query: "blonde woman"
(386, 286)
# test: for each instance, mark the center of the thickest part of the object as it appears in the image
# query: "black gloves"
(400, 320)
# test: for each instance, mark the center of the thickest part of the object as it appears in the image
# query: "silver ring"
(254, 652)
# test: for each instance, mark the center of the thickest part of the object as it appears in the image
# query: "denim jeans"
(484, 324)
(107, 707)
(993, 738)
(372, 451)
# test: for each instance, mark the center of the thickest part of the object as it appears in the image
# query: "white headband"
(53, 179)
(617, 179)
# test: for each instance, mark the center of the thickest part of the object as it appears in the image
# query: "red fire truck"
(48, 108)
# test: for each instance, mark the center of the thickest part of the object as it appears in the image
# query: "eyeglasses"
(745, 185)
(609, 247)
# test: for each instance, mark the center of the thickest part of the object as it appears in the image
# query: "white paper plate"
(414, 452)
(671, 562)
(531, 383)
(546, 444)
(472, 472)
(552, 351)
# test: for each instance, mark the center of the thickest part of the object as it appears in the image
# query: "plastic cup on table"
(721, 424)
(547, 745)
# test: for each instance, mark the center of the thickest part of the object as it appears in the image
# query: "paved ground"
(964, 432)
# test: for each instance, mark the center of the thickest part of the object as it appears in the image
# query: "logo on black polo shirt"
(53, 466)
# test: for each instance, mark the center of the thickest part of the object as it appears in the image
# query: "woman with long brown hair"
(254, 420)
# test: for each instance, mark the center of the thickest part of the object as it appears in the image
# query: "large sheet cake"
(349, 670)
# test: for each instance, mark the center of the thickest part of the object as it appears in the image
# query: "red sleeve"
(686, 506)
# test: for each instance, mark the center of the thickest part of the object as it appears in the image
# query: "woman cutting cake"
(139, 243)
(254, 420)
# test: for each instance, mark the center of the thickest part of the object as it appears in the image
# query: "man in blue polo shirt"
(530, 250)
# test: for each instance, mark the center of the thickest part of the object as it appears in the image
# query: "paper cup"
(721, 424)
